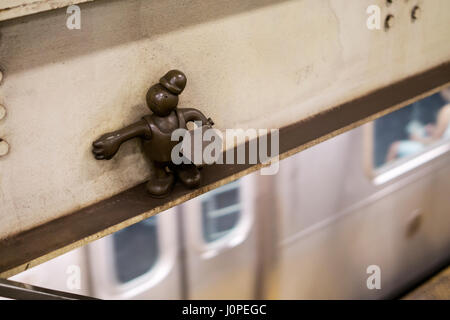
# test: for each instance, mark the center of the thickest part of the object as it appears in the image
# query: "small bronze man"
(155, 132)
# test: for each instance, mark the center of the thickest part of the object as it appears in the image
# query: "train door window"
(136, 250)
(411, 131)
(221, 211)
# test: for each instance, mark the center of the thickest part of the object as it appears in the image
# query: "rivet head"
(389, 22)
(2, 112)
(415, 13)
(4, 148)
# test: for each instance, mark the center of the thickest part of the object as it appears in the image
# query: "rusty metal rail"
(32, 247)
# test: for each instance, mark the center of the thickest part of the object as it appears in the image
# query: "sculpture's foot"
(160, 187)
(189, 175)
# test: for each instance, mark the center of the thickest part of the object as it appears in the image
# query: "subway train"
(372, 201)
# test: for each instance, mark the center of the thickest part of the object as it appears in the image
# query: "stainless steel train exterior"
(315, 230)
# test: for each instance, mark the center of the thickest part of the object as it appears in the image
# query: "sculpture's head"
(162, 98)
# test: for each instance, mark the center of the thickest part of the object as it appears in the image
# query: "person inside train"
(421, 136)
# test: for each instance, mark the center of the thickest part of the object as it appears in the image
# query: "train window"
(221, 210)
(135, 250)
(412, 130)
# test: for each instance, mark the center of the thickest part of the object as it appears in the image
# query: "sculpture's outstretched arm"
(105, 147)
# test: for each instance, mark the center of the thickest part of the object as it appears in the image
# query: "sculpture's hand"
(106, 146)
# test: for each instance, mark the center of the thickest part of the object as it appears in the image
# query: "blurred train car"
(310, 232)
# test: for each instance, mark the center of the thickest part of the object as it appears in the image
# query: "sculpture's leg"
(188, 174)
(161, 182)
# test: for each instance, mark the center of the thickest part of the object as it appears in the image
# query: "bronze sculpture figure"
(155, 132)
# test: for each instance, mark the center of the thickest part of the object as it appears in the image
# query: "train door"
(370, 199)
(68, 273)
(138, 262)
(220, 242)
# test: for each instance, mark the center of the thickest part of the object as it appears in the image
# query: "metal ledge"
(37, 245)
(22, 291)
